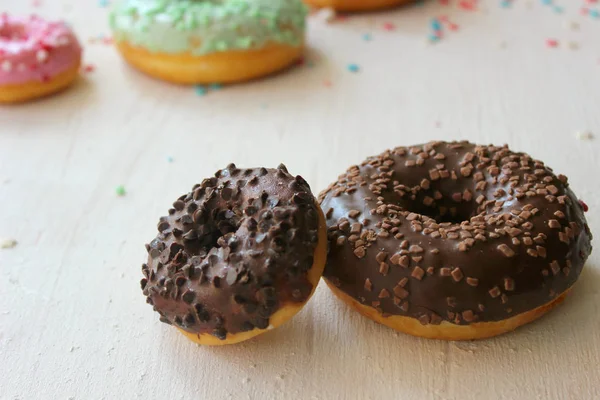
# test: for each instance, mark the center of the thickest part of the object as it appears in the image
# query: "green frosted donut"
(207, 26)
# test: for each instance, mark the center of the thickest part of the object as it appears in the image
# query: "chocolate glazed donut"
(241, 253)
(453, 240)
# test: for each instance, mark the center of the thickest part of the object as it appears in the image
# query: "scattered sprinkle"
(120, 190)
(573, 45)
(552, 43)
(584, 206)
(367, 37)
(200, 90)
(7, 243)
(585, 135)
(170, 159)
(89, 68)
(353, 68)
(388, 26)
(103, 3)
(215, 86)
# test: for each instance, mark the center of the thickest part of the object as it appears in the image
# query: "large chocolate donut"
(453, 240)
(241, 253)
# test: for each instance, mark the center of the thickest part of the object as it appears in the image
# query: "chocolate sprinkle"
(475, 218)
(231, 254)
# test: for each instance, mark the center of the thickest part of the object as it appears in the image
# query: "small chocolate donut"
(242, 253)
(453, 240)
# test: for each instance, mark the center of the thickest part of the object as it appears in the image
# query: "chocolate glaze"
(233, 251)
(455, 232)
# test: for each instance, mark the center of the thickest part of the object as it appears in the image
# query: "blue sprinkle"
(170, 159)
(200, 90)
(436, 25)
(547, 2)
(103, 3)
(559, 9)
(215, 86)
(367, 37)
(505, 3)
(353, 67)
(434, 38)
(595, 13)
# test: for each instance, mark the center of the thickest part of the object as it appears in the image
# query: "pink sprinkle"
(443, 18)
(388, 26)
(584, 11)
(469, 5)
(584, 206)
(552, 42)
(327, 83)
(452, 27)
(89, 68)
(107, 40)
(445, 2)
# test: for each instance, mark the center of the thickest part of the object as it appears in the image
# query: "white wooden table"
(73, 321)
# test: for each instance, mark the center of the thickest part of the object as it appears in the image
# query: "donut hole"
(442, 206)
(446, 214)
(13, 32)
(215, 232)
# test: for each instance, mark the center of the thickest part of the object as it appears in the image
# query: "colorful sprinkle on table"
(388, 26)
(120, 191)
(89, 68)
(553, 43)
(170, 159)
(7, 243)
(584, 135)
(367, 37)
(103, 3)
(353, 68)
(200, 90)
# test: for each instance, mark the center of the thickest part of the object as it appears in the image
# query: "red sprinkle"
(89, 68)
(388, 26)
(584, 206)
(552, 42)
(453, 27)
(469, 5)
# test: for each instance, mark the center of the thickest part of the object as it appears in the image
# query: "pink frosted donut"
(37, 57)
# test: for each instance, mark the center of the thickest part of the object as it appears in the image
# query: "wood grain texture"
(73, 322)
